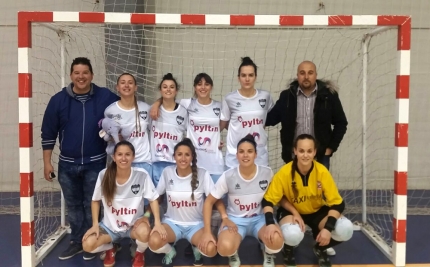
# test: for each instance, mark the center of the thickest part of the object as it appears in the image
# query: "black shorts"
(312, 220)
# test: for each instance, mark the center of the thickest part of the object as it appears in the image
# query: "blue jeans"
(77, 182)
(326, 162)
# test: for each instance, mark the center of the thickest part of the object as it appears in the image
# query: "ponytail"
(109, 182)
(293, 174)
(136, 108)
(194, 175)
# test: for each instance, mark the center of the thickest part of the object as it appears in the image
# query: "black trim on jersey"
(265, 203)
(305, 178)
(340, 207)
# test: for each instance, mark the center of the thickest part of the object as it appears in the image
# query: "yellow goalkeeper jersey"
(311, 189)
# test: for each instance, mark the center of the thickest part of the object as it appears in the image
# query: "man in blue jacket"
(72, 115)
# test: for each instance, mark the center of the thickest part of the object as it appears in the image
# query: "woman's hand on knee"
(271, 232)
(92, 231)
(204, 242)
(159, 228)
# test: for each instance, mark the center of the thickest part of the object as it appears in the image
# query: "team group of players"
(157, 160)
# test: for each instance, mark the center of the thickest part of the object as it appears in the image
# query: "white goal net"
(151, 51)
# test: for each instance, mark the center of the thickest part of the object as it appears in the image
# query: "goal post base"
(50, 243)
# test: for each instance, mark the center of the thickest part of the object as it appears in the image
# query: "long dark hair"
(109, 179)
(136, 107)
(187, 142)
(294, 167)
(247, 61)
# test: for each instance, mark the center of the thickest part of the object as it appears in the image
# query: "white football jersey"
(244, 196)
(181, 209)
(127, 119)
(203, 130)
(246, 116)
(128, 202)
(166, 132)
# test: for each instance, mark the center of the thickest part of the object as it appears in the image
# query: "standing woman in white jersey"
(186, 187)
(203, 125)
(245, 186)
(169, 129)
(132, 114)
(121, 189)
(244, 112)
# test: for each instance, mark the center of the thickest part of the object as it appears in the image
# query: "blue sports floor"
(359, 251)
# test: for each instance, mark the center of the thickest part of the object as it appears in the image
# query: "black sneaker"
(323, 259)
(72, 250)
(89, 256)
(198, 259)
(289, 259)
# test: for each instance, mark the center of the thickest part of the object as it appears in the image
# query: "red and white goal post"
(328, 60)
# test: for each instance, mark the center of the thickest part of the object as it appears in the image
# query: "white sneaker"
(331, 252)
(269, 260)
(234, 261)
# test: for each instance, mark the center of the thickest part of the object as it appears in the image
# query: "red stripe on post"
(391, 20)
(142, 18)
(400, 183)
(242, 20)
(92, 17)
(404, 36)
(399, 230)
(24, 25)
(26, 184)
(26, 134)
(339, 20)
(25, 85)
(401, 135)
(402, 86)
(27, 233)
(191, 19)
(291, 20)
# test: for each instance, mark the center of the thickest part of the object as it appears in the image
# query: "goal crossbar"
(25, 20)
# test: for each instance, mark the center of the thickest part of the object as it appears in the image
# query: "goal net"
(361, 60)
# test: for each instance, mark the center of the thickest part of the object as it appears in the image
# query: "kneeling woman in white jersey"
(122, 190)
(245, 186)
(186, 187)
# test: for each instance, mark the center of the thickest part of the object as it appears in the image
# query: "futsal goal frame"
(397, 253)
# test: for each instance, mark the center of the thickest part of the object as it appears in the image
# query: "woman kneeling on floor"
(308, 195)
(122, 190)
(244, 186)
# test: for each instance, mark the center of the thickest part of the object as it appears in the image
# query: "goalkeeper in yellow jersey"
(307, 194)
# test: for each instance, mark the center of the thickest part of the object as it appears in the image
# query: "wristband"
(269, 218)
(147, 214)
(331, 222)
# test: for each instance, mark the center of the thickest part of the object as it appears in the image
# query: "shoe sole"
(109, 265)
(331, 253)
(68, 257)
(88, 259)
